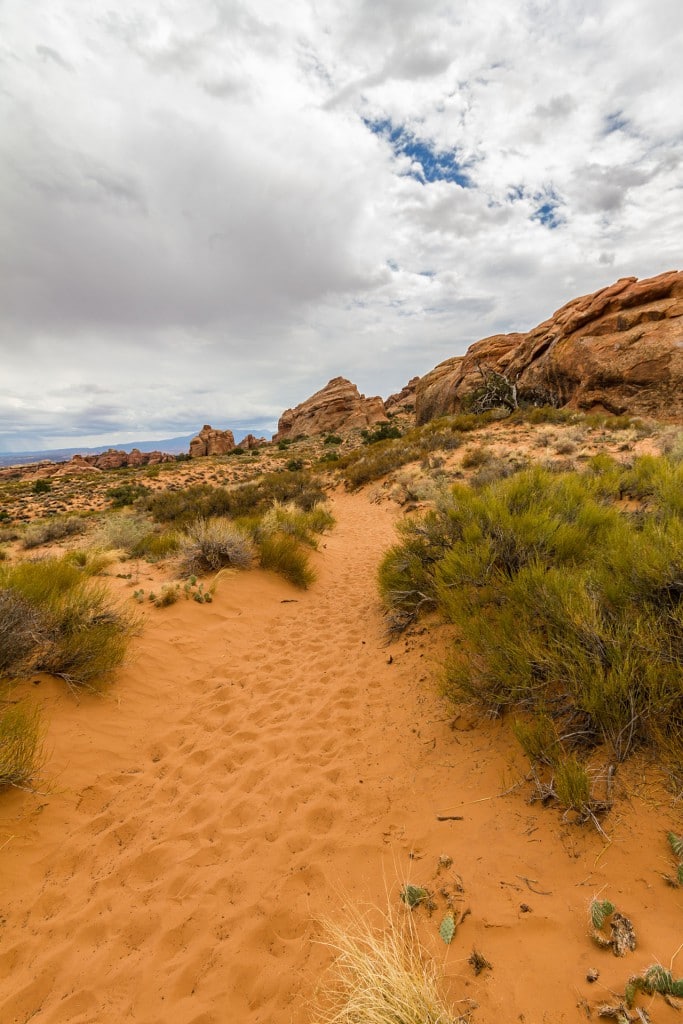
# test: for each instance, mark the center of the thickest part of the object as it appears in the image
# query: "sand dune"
(262, 761)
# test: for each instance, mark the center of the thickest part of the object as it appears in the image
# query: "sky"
(210, 208)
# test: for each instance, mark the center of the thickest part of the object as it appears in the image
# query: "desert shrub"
(156, 545)
(90, 561)
(21, 738)
(122, 531)
(329, 457)
(126, 494)
(170, 593)
(381, 976)
(212, 544)
(294, 465)
(293, 521)
(332, 439)
(19, 625)
(564, 604)
(76, 633)
(51, 530)
(477, 456)
(281, 553)
(381, 432)
(42, 486)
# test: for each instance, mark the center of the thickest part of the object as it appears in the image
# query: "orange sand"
(262, 762)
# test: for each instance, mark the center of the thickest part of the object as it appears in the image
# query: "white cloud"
(196, 216)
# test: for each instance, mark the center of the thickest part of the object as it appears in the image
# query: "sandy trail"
(264, 759)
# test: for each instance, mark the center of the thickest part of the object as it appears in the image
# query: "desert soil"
(270, 760)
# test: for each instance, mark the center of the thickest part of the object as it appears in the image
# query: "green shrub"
(281, 553)
(381, 432)
(156, 545)
(565, 605)
(123, 531)
(203, 501)
(42, 486)
(21, 740)
(475, 457)
(71, 628)
(293, 521)
(126, 494)
(333, 439)
(212, 544)
(50, 530)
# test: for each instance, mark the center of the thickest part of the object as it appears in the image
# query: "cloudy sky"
(210, 207)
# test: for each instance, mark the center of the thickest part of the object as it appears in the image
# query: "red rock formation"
(211, 442)
(404, 400)
(337, 406)
(114, 459)
(249, 442)
(619, 350)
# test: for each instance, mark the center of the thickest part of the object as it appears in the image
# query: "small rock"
(592, 975)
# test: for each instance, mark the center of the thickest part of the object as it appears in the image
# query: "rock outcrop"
(404, 400)
(618, 350)
(250, 442)
(114, 459)
(211, 442)
(337, 406)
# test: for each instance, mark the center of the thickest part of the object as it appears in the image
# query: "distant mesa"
(337, 406)
(618, 350)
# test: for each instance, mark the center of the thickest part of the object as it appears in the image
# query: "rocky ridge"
(618, 350)
(211, 442)
(337, 406)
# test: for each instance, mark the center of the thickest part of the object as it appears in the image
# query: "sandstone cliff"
(337, 406)
(211, 442)
(618, 350)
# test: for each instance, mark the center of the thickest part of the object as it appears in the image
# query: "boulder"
(337, 406)
(211, 442)
(619, 350)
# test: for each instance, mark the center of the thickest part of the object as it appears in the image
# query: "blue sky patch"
(437, 165)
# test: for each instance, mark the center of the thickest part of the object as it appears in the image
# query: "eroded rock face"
(337, 406)
(617, 350)
(404, 400)
(211, 442)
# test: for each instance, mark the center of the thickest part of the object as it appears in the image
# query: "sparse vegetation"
(21, 738)
(58, 528)
(285, 556)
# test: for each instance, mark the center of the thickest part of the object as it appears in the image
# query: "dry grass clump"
(21, 745)
(381, 976)
(212, 544)
(65, 623)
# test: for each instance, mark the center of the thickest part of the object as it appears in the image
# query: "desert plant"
(381, 432)
(284, 555)
(51, 530)
(210, 544)
(381, 976)
(73, 629)
(42, 486)
(122, 531)
(156, 545)
(126, 494)
(21, 738)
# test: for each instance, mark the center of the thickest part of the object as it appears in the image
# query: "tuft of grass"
(572, 785)
(281, 553)
(211, 544)
(21, 745)
(156, 545)
(381, 976)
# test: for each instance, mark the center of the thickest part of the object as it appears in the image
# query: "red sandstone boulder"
(250, 442)
(619, 350)
(211, 442)
(337, 406)
(404, 400)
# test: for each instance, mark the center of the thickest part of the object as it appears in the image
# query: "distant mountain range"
(170, 445)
